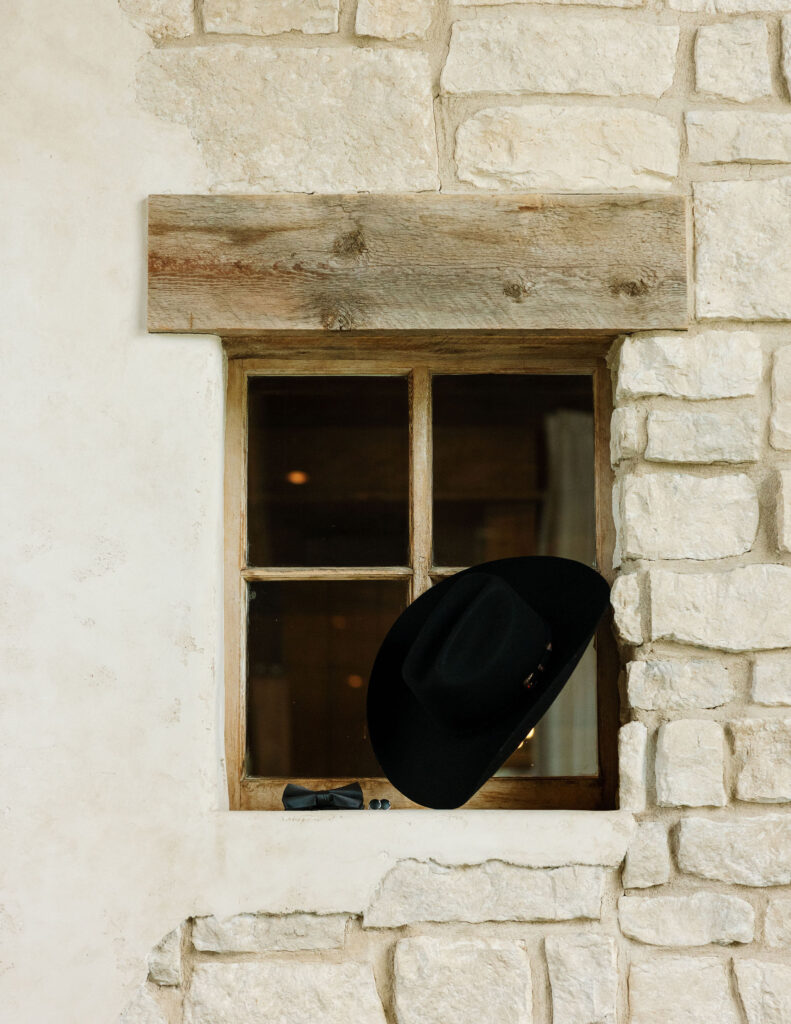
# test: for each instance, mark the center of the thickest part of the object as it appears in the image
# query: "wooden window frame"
(416, 357)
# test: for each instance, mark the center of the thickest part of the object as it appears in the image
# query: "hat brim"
(430, 761)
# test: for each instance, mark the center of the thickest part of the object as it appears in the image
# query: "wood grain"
(235, 265)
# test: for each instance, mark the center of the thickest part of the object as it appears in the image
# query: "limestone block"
(465, 982)
(723, 436)
(777, 928)
(753, 851)
(762, 759)
(678, 685)
(680, 990)
(690, 762)
(744, 609)
(696, 920)
(292, 992)
(678, 515)
(632, 766)
(583, 976)
(162, 18)
(786, 37)
(625, 434)
(394, 19)
(144, 1008)
(493, 891)
(737, 136)
(714, 364)
(743, 249)
(300, 120)
(780, 424)
(648, 857)
(578, 3)
(258, 933)
(771, 680)
(164, 960)
(626, 604)
(268, 17)
(732, 60)
(556, 51)
(580, 149)
(751, 6)
(765, 991)
(784, 510)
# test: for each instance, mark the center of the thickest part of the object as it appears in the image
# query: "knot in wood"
(351, 244)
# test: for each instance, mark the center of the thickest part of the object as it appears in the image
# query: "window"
(354, 483)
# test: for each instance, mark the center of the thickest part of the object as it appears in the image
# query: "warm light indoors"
(354, 681)
(297, 476)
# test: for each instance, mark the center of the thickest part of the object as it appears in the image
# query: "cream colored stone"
(752, 6)
(762, 759)
(626, 603)
(777, 927)
(300, 120)
(765, 991)
(269, 17)
(162, 18)
(466, 982)
(714, 364)
(164, 960)
(753, 851)
(744, 609)
(557, 51)
(578, 3)
(648, 857)
(693, 6)
(690, 764)
(780, 423)
(394, 19)
(580, 149)
(259, 933)
(732, 60)
(771, 680)
(678, 685)
(632, 766)
(696, 920)
(784, 510)
(625, 434)
(681, 990)
(743, 249)
(722, 436)
(144, 1008)
(738, 136)
(583, 976)
(415, 891)
(786, 43)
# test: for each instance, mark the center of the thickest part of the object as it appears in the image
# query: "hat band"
(539, 669)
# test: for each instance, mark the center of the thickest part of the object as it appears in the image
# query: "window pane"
(328, 471)
(310, 649)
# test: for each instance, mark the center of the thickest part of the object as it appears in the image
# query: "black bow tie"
(297, 798)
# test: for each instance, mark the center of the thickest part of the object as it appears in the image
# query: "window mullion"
(420, 469)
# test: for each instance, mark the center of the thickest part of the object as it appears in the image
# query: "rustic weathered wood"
(421, 510)
(241, 264)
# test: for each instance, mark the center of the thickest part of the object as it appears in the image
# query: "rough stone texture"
(751, 6)
(465, 982)
(690, 762)
(786, 37)
(268, 17)
(696, 920)
(557, 51)
(144, 1009)
(297, 993)
(777, 927)
(723, 436)
(257, 933)
(678, 515)
(743, 609)
(648, 857)
(762, 759)
(771, 680)
(300, 120)
(753, 851)
(164, 960)
(784, 510)
(578, 3)
(583, 976)
(680, 990)
(394, 19)
(678, 685)
(162, 18)
(738, 136)
(765, 991)
(580, 149)
(780, 423)
(743, 249)
(714, 364)
(418, 891)
(626, 600)
(732, 60)
(625, 434)
(632, 766)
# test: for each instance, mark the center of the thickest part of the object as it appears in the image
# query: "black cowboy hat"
(471, 666)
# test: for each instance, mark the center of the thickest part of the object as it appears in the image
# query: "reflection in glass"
(328, 471)
(310, 648)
